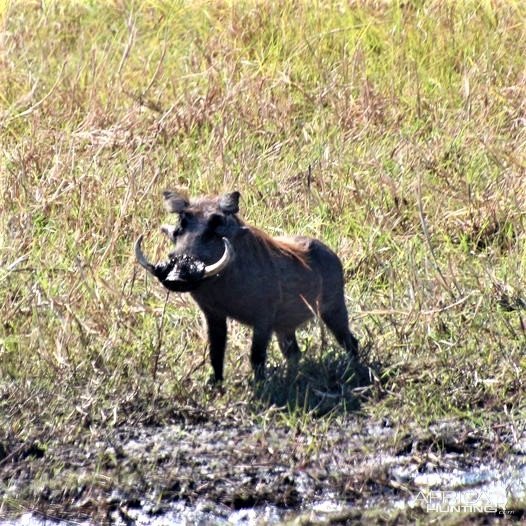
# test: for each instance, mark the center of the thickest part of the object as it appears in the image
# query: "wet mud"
(218, 472)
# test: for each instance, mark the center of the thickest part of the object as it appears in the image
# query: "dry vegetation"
(394, 131)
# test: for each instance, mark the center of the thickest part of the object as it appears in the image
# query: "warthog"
(233, 270)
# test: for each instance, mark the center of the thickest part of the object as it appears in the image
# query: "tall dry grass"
(393, 131)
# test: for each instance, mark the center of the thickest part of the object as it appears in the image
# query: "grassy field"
(395, 132)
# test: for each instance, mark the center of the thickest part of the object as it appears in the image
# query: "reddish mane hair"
(282, 246)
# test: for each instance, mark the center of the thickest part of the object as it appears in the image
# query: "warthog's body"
(270, 284)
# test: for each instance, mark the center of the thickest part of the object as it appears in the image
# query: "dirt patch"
(221, 471)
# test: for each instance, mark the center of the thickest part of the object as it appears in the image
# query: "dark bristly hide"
(233, 270)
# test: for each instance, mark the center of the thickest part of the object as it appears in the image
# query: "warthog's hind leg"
(337, 321)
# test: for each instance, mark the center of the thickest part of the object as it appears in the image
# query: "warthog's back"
(309, 286)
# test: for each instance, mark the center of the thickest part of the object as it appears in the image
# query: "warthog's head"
(201, 238)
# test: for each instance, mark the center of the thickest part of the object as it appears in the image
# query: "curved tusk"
(141, 258)
(216, 268)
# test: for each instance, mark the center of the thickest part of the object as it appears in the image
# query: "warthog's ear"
(174, 203)
(229, 203)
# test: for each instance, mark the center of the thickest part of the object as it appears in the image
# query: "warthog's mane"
(286, 247)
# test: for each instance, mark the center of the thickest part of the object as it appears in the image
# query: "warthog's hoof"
(363, 374)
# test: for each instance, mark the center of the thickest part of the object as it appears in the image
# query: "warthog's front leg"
(217, 340)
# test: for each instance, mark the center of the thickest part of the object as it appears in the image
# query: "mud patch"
(216, 472)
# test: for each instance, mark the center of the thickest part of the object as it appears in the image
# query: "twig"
(156, 72)
(159, 338)
(388, 312)
(428, 240)
(31, 109)
(131, 39)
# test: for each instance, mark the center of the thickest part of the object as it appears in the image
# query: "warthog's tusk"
(210, 270)
(141, 258)
(216, 268)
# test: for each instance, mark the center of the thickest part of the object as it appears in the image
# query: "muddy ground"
(202, 470)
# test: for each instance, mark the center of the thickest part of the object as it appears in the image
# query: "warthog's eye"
(184, 219)
(215, 221)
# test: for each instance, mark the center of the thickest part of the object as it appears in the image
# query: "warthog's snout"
(181, 272)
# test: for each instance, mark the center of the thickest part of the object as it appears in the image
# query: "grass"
(393, 131)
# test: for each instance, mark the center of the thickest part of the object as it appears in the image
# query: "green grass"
(409, 118)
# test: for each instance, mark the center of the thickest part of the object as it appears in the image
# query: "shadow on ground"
(324, 384)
